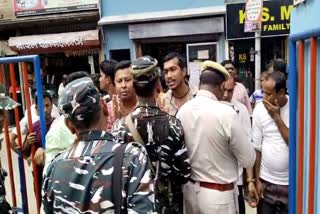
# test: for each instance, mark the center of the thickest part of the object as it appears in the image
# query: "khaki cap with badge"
(208, 64)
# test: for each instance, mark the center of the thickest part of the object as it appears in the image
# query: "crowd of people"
(122, 144)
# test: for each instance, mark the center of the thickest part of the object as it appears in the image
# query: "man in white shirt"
(24, 123)
(216, 143)
(271, 140)
(243, 113)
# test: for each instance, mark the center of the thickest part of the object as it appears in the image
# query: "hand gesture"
(253, 195)
(161, 103)
(116, 106)
(39, 157)
(259, 188)
(31, 138)
(273, 110)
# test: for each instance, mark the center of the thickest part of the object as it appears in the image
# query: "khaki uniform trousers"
(200, 200)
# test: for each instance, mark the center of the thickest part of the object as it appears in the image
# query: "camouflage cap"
(216, 66)
(144, 69)
(6, 103)
(79, 98)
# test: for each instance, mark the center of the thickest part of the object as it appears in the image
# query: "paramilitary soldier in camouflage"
(80, 180)
(162, 135)
(6, 103)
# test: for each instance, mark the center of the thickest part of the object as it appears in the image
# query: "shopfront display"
(274, 37)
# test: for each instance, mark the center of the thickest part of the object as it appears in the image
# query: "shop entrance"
(160, 50)
(197, 53)
(242, 53)
(54, 66)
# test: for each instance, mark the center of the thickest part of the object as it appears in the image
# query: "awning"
(163, 15)
(5, 50)
(189, 27)
(51, 43)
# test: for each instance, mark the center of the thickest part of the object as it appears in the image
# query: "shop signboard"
(6, 11)
(38, 7)
(275, 19)
(253, 15)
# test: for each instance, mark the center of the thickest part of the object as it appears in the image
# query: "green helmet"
(144, 69)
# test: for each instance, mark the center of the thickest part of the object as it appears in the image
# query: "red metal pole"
(28, 103)
(7, 138)
(300, 170)
(313, 116)
(17, 120)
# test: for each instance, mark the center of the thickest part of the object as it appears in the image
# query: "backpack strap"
(117, 178)
(135, 134)
(137, 137)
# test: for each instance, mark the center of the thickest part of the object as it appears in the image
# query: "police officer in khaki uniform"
(216, 143)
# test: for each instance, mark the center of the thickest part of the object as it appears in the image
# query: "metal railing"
(298, 122)
(36, 62)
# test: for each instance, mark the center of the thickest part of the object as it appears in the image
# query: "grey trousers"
(275, 199)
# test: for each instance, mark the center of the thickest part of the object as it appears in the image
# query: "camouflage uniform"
(79, 180)
(163, 137)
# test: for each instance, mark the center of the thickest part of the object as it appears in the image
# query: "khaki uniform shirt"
(215, 139)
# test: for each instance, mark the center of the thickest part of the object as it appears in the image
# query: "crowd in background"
(124, 141)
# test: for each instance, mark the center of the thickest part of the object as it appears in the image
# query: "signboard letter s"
(265, 14)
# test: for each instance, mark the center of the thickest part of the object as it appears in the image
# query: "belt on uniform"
(219, 187)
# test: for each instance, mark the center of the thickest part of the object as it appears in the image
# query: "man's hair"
(95, 79)
(263, 75)
(145, 90)
(233, 80)
(211, 77)
(280, 65)
(108, 68)
(182, 62)
(280, 80)
(122, 65)
(269, 65)
(228, 61)
(91, 118)
(45, 94)
(75, 75)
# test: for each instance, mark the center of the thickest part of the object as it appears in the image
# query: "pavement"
(16, 175)
(29, 181)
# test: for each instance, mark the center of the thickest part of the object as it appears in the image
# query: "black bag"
(5, 207)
